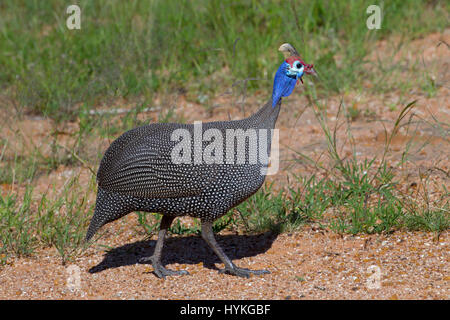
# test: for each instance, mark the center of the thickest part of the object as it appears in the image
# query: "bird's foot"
(243, 272)
(159, 270)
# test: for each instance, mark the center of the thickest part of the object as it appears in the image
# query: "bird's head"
(289, 73)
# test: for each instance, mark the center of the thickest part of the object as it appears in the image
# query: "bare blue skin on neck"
(284, 82)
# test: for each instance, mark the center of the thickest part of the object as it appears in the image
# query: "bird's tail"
(109, 206)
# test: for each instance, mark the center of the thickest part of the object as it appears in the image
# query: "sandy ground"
(311, 264)
(308, 264)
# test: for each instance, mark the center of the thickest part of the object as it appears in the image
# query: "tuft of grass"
(431, 220)
(427, 215)
(265, 211)
(312, 199)
(17, 234)
(62, 223)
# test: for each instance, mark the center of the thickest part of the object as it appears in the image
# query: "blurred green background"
(142, 48)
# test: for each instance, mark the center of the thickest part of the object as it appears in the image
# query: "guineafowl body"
(138, 171)
(138, 174)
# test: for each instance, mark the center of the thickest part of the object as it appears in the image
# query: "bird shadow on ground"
(188, 250)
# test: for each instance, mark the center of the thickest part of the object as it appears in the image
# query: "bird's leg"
(155, 259)
(230, 267)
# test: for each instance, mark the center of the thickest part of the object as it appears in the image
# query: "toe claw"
(159, 270)
(145, 260)
(243, 272)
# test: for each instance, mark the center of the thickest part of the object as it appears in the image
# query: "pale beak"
(313, 72)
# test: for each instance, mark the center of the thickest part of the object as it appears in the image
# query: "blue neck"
(283, 85)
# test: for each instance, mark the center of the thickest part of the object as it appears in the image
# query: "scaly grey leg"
(230, 267)
(155, 259)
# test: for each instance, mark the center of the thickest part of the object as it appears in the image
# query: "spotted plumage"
(137, 173)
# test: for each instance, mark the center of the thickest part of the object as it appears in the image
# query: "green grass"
(16, 230)
(58, 222)
(62, 222)
(266, 210)
(134, 49)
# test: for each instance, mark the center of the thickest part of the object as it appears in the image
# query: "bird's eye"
(298, 65)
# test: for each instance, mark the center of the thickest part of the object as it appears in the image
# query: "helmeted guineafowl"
(163, 168)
